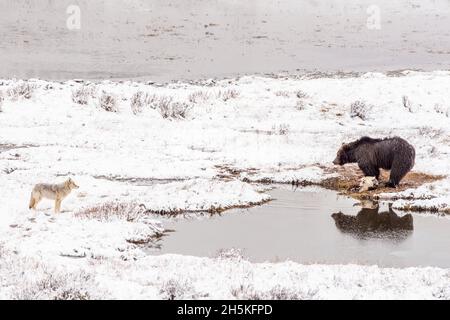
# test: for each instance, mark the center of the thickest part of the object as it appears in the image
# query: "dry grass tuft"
(228, 94)
(129, 211)
(199, 96)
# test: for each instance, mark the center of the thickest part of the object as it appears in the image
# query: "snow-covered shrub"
(163, 106)
(48, 86)
(430, 132)
(153, 100)
(228, 94)
(301, 94)
(232, 253)
(22, 89)
(359, 109)
(281, 129)
(82, 94)
(198, 96)
(300, 105)
(172, 109)
(138, 102)
(245, 292)
(51, 285)
(129, 211)
(282, 293)
(248, 292)
(407, 103)
(433, 151)
(176, 289)
(29, 278)
(179, 110)
(108, 102)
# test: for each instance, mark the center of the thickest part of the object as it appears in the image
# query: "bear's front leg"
(369, 170)
(391, 184)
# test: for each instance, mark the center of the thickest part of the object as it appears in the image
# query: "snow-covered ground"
(183, 277)
(195, 147)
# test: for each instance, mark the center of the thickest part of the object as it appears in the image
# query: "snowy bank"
(183, 277)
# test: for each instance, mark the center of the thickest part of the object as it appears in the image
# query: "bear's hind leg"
(398, 171)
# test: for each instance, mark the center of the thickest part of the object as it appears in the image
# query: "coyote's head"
(71, 184)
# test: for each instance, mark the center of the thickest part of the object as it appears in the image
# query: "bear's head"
(342, 156)
(343, 221)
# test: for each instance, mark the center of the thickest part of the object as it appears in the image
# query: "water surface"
(166, 40)
(298, 226)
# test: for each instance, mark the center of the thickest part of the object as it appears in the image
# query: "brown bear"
(393, 154)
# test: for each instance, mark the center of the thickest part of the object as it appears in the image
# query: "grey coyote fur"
(55, 192)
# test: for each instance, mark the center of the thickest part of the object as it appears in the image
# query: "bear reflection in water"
(369, 222)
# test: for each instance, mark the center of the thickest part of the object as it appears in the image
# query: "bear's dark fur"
(369, 220)
(393, 154)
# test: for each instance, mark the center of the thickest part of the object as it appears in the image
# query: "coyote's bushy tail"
(32, 201)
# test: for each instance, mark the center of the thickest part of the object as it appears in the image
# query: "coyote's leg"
(32, 202)
(58, 205)
(35, 199)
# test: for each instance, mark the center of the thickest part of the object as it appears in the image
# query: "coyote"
(55, 192)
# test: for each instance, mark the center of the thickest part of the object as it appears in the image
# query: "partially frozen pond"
(298, 226)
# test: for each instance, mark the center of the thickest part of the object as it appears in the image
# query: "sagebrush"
(82, 94)
(172, 109)
(108, 102)
(199, 96)
(359, 109)
(407, 104)
(138, 102)
(176, 289)
(21, 90)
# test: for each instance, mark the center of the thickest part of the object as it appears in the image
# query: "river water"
(167, 40)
